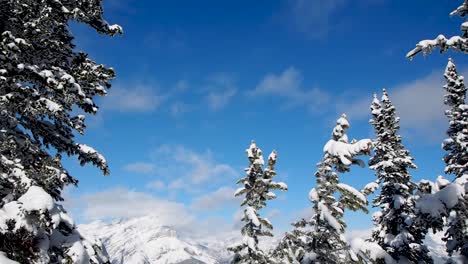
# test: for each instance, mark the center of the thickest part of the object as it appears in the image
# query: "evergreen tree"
(292, 247)
(458, 43)
(397, 229)
(257, 190)
(43, 84)
(321, 237)
(456, 158)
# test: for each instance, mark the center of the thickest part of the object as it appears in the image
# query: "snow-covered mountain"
(144, 240)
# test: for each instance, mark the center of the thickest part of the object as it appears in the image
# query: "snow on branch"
(346, 151)
(457, 43)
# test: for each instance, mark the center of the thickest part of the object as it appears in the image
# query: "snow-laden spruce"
(44, 83)
(444, 204)
(257, 189)
(456, 159)
(320, 239)
(458, 43)
(397, 229)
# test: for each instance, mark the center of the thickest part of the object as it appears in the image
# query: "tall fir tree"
(320, 239)
(257, 190)
(456, 158)
(457, 43)
(397, 229)
(43, 84)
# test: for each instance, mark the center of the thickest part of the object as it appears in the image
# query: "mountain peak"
(145, 240)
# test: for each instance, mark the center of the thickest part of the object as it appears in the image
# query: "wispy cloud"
(124, 203)
(314, 17)
(220, 99)
(419, 103)
(196, 168)
(140, 167)
(133, 99)
(221, 89)
(178, 168)
(156, 185)
(288, 85)
(220, 198)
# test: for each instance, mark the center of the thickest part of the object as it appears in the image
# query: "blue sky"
(196, 81)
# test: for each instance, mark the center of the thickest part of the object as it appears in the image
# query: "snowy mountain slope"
(144, 240)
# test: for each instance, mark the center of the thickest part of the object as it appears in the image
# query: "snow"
(116, 28)
(46, 74)
(250, 242)
(239, 191)
(281, 185)
(371, 187)
(273, 156)
(313, 195)
(250, 151)
(78, 253)
(12, 210)
(374, 251)
(146, 240)
(271, 195)
(343, 121)
(251, 214)
(5, 260)
(450, 195)
(91, 151)
(327, 216)
(346, 151)
(441, 182)
(352, 190)
(398, 201)
(36, 199)
(52, 106)
(436, 204)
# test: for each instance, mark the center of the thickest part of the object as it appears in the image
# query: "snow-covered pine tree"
(397, 229)
(456, 158)
(291, 248)
(43, 84)
(458, 43)
(322, 236)
(257, 190)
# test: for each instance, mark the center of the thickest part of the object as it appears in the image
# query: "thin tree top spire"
(375, 99)
(385, 95)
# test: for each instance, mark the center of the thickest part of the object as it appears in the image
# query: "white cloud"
(221, 89)
(314, 18)
(218, 100)
(135, 99)
(305, 213)
(419, 104)
(274, 213)
(123, 203)
(140, 167)
(156, 185)
(177, 184)
(288, 86)
(220, 198)
(190, 166)
(237, 218)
